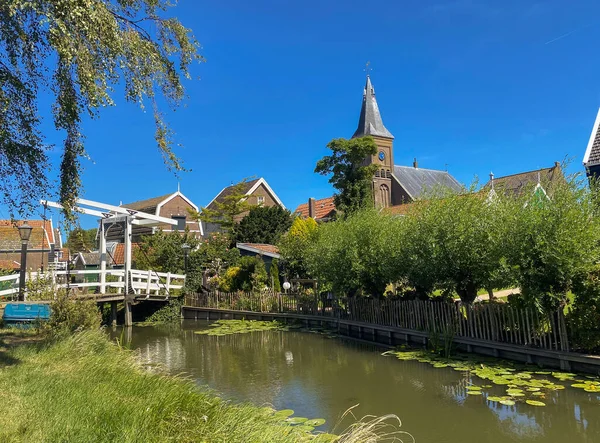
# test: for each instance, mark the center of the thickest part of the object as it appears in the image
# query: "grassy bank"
(85, 388)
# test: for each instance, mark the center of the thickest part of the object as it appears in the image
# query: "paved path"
(500, 294)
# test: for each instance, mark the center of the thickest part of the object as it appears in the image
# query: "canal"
(321, 377)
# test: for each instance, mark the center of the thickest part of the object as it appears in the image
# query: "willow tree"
(78, 51)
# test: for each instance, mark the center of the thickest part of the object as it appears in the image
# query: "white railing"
(9, 284)
(143, 283)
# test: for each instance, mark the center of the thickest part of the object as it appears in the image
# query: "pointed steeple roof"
(370, 122)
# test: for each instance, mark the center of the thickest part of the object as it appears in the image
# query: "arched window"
(384, 193)
(383, 172)
(377, 174)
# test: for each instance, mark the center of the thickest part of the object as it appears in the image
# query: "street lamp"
(25, 234)
(186, 252)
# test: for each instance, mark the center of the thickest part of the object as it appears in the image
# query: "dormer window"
(260, 200)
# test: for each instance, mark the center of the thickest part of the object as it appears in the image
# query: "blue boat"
(25, 313)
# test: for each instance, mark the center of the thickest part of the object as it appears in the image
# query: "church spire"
(370, 122)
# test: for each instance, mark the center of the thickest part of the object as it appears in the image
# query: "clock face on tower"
(381, 155)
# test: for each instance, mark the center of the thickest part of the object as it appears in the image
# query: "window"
(260, 200)
(180, 219)
(384, 195)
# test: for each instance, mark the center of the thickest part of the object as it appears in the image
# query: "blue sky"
(471, 85)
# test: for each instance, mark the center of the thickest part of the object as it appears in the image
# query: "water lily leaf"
(535, 403)
(315, 422)
(507, 402)
(440, 365)
(305, 428)
(579, 385)
(296, 420)
(543, 372)
(495, 399)
(533, 389)
(474, 392)
(592, 389)
(541, 394)
(474, 388)
(284, 413)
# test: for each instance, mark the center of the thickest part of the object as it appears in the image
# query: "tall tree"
(82, 240)
(351, 178)
(263, 225)
(78, 51)
(227, 208)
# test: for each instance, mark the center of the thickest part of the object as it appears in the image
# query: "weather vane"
(368, 68)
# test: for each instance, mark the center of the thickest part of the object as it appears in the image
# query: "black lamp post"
(25, 234)
(186, 252)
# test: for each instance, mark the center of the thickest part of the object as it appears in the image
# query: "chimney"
(557, 164)
(492, 179)
(312, 208)
(415, 164)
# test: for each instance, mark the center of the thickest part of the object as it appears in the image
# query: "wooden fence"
(496, 322)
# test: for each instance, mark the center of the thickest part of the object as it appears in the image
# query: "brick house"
(257, 193)
(43, 250)
(175, 206)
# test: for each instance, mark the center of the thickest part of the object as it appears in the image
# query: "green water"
(320, 377)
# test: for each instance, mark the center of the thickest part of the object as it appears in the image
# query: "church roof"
(592, 153)
(418, 181)
(370, 122)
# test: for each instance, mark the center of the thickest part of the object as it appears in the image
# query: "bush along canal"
(316, 374)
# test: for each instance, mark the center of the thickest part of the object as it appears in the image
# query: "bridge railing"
(88, 282)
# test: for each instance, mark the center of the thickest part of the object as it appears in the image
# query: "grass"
(85, 388)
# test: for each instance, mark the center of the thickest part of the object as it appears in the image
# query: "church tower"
(370, 124)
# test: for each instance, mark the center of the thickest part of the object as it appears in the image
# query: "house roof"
(149, 205)
(89, 258)
(10, 265)
(248, 188)
(260, 248)
(42, 235)
(418, 181)
(592, 153)
(324, 208)
(370, 122)
(118, 253)
(516, 183)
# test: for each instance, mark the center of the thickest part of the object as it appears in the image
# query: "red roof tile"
(9, 265)
(35, 224)
(118, 253)
(323, 208)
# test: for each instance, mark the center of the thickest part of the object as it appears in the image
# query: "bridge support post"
(127, 272)
(113, 313)
(128, 317)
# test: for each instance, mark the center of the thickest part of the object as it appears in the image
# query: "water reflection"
(322, 377)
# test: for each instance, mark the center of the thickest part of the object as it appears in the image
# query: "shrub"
(169, 313)
(583, 318)
(69, 315)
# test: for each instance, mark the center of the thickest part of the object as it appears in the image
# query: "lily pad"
(507, 402)
(535, 403)
(296, 420)
(495, 399)
(474, 392)
(474, 388)
(315, 422)
(284, 413)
